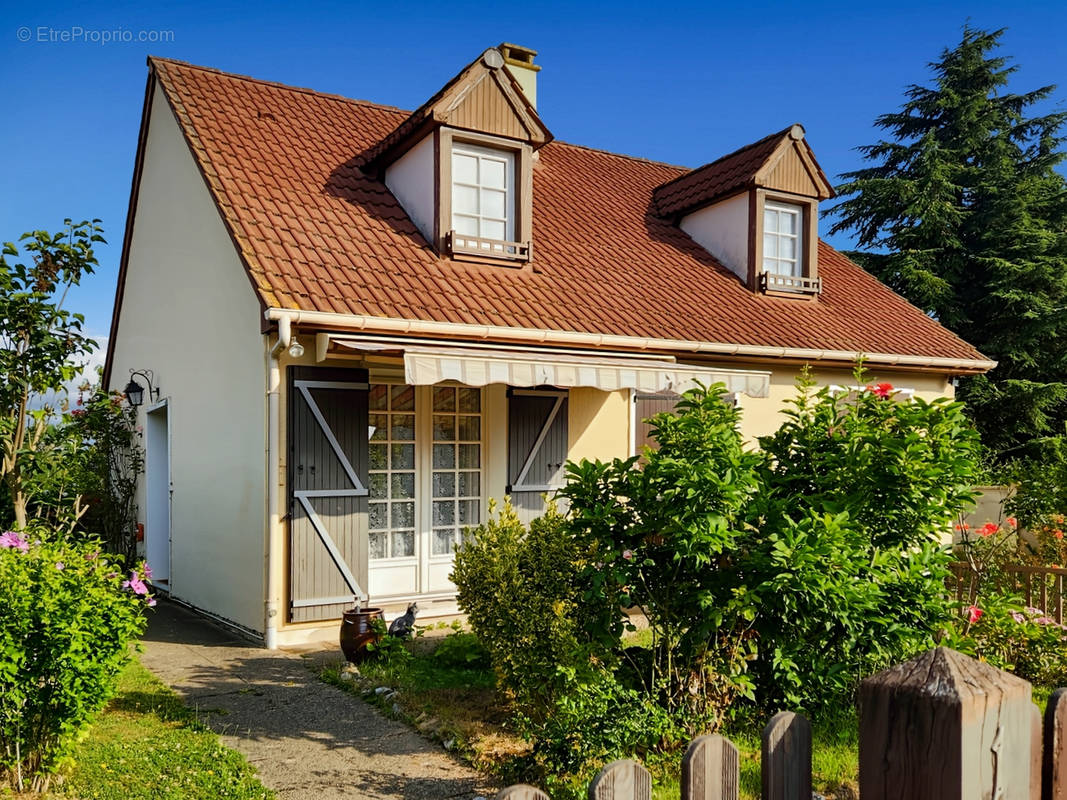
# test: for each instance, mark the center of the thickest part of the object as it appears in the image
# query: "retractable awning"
(425, 365)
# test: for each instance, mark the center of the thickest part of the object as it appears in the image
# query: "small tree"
(40, 341)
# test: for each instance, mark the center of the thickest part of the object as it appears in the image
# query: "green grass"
(147, 745)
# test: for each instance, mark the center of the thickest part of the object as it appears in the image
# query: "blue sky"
(680, 83)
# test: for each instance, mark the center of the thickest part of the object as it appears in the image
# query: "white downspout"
(274, 479)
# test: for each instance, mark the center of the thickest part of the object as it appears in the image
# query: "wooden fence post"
(786, 758)
(621, 780)
(521, 792)
(1054, 763)
(710, 769)
(945, 727)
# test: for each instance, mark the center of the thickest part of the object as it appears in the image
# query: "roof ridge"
(737, 152)
(152, 60)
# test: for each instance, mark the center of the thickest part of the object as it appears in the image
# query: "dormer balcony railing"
(772, 283)
(462, 244)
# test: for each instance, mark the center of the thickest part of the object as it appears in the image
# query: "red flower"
(988, 529)
(1012, 522)
(1058, 533)
(974, 613)
(882, 390)
(963, 527)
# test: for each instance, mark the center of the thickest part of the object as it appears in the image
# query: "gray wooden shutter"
(537, 447)
(648, 405)
(327, 476)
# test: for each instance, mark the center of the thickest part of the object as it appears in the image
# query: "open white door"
(157, 492)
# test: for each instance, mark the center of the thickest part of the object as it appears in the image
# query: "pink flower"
(1017, 616)
(988, 529)
(882, 390)
(627, 554)
(147, 572)
(135, 584)
(60, 565)
(92, 556)
(974, 613)
(151, 602)
(14, 541)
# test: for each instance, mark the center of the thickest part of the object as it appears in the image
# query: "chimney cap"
(519, 56)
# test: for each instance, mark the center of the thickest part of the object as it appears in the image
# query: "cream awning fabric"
(431, 365)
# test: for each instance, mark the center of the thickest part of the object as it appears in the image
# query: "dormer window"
(783, 239)
(483, 197)
(756, 210)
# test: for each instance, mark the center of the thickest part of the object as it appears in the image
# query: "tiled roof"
(317, 234)
(717, 179)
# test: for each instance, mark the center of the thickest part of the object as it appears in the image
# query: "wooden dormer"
(757, 211)
(461, 165)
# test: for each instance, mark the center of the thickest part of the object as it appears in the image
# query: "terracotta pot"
(356, 633)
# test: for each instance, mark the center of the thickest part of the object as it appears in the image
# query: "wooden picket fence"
(1040, 587)
(940, 727)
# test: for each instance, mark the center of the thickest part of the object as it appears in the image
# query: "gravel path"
(308, 740)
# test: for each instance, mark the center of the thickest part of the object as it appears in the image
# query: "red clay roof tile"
(317, 234)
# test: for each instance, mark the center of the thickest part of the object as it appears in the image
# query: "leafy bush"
(462, 650)
(521, 593)
(857, 492)
(68, 618)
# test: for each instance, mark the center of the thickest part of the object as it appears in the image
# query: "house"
(354, 325)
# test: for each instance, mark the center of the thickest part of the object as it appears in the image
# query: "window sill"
(789, 285)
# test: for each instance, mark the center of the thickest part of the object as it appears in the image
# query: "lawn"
(147, 745)
(460, 707)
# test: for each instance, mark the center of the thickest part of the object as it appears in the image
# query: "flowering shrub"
(69, 615)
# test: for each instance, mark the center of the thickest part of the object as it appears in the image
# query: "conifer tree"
(963, 212)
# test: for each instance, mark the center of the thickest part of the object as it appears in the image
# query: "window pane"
(444, 399)
(377, 516)
(464, 199)
(770, 245)
(403, 398)
(379, 483)
(470, 456)
(378, 423)
(378, 457)
(403, 485)
(444, 427)
(403, 515)
(468, 512)
(444, 455)
(492, 229)
(470, 428)
(442, 542)
(378, 397)
(444, 512)
(494, 203)
(444, 484)
(470, 484)
(403, 456)
(379, 545)
(770, 220)
(464, 168)
(788, 268)
(787, 247)
(468, 226)
(493, 173)
(787, 222)
(404, 544)
(470, 400)
(403, 427)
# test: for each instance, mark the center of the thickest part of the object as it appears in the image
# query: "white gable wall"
(722, 230)
(190, 314)
(411, 180)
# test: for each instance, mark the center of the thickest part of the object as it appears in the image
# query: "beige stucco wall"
(190, 315)
(598, 425)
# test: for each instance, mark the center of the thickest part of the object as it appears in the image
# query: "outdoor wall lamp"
(134, 390)
(296, 349)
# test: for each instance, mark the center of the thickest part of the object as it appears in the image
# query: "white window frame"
(487, 153)
(457, 526)
(772, 264)
(389, 472)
